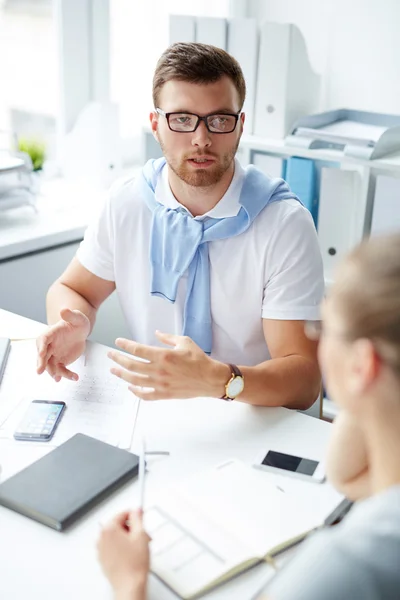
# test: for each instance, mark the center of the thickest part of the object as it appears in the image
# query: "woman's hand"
(123, 549)
(347, 466)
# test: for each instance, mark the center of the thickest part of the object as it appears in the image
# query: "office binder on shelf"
(211, 30)
(243, 45)
(287, 87)
(357, 133)
(386, 208)
(182, 28)
(300, 175)
(337, 229)
(273, 166)
(91, 151)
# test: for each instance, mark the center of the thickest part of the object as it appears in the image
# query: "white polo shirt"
(271, 271)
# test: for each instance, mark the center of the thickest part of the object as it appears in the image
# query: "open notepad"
(219, 523)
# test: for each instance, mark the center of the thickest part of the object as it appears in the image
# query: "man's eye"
(182, 120)
(218, 122)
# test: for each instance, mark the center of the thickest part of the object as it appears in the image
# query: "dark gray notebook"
(63, 485)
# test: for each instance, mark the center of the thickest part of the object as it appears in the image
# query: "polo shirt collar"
(228, 206)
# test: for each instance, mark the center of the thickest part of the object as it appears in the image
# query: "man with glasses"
(216, 266)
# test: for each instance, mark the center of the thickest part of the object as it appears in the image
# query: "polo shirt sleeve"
(294, 279)
(96, 251)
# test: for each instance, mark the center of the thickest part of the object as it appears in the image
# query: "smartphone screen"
(288, 462)
(40, 420)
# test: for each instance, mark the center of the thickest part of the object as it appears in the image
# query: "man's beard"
(206, 177)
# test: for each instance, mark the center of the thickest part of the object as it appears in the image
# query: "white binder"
(92, 150)
(243, 45)
(182, 28)
(287, 87)
(337, 218)
(211, 30)
(270, 165)
(386, 209)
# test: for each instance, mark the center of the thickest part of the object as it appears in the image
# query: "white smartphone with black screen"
(293, 466)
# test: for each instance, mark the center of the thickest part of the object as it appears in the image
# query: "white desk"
(39, 563)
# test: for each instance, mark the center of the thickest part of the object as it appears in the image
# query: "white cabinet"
(24, 281)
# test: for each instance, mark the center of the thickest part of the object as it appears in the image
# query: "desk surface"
(40, 563)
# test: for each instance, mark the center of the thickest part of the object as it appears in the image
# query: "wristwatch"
(235, 385)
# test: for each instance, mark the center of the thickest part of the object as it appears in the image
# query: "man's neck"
(199, 200)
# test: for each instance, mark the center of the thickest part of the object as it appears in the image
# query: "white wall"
(354, 45)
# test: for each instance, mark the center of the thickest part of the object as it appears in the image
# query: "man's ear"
(154, 124)
(242, 120)
(364, 366)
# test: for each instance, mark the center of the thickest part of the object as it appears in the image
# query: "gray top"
(359, 558)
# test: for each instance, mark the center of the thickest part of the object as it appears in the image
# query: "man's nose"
(201, 137)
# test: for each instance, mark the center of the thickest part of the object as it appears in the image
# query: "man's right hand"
(62, 344)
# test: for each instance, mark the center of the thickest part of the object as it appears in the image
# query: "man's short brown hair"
(197, 63)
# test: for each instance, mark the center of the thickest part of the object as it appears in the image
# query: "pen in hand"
(142, 470)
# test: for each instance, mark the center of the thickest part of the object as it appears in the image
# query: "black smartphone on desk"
(294, 466)
(40, 421)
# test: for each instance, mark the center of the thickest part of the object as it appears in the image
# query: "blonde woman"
(359, 353)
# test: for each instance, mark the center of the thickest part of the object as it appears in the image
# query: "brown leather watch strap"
(235, 372)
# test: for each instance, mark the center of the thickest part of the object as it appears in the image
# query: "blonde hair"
(367, 295)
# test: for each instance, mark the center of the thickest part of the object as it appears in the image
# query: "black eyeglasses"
(182, 122)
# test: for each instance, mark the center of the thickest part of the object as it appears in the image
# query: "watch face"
(235, 387)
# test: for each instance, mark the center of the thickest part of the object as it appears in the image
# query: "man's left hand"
(181, 371)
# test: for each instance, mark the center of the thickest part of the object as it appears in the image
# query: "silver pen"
(142, 470)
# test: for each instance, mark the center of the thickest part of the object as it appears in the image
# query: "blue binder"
(301, 175)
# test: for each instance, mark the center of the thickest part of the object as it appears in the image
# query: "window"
(28, 68)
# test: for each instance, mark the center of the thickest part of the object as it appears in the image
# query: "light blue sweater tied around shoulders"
(179, 242)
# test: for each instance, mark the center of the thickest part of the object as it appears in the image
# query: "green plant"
(36, 150)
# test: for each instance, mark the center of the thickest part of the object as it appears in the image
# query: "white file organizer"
(338, 226)
(287, 87)
(386, 209)
(182, 28)
(243, 41)
(211, 30)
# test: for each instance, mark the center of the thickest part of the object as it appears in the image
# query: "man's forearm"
(291, 381)
(61, 296)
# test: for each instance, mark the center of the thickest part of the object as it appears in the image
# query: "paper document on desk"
(98, 405)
